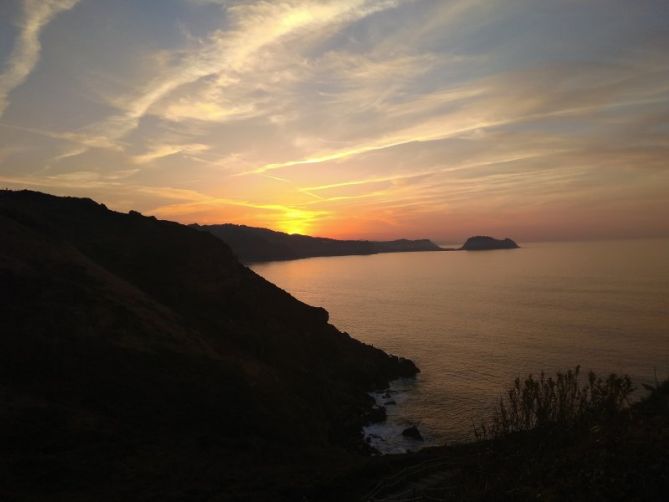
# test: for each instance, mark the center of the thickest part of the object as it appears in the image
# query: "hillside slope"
(140, 360)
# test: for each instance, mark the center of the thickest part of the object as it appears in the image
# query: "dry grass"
(546, 402)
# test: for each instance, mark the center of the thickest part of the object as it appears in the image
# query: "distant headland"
(485, 243)
(253, 244)
(256, 244)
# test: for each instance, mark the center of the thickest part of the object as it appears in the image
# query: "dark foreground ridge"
(251, 244)
(139, 360)
(485, 243)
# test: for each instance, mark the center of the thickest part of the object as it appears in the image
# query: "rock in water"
(485, 243)
(412, 433)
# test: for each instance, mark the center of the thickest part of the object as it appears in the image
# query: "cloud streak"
(350, 118)
(36, 14)
(167, 150)
(226, 54)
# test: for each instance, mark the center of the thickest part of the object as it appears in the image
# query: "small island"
(485, 243)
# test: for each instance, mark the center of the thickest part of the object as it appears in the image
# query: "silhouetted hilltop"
(140, 360)
(252, 244)
(485, 243)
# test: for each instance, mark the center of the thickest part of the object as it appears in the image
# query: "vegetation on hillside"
(550, 438)
(563, 401)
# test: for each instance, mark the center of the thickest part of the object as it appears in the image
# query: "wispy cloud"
(225, 54)
(36, 14)
(347, 116)
(498, 101)
(166, 150)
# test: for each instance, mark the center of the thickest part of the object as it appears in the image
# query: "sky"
(379, 119)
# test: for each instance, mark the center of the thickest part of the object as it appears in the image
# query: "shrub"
(561, 401)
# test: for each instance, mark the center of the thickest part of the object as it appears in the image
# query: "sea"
(474, 321)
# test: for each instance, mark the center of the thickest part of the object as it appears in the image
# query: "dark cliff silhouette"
(485, 243)
(140, 360)
(252, 244)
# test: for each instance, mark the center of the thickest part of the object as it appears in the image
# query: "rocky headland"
(252, 244)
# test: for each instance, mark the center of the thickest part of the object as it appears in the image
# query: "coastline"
(386, 436)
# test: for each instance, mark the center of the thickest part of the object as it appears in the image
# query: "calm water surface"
(473, 321)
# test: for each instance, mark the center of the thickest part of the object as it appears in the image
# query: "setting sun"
(294, 227)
